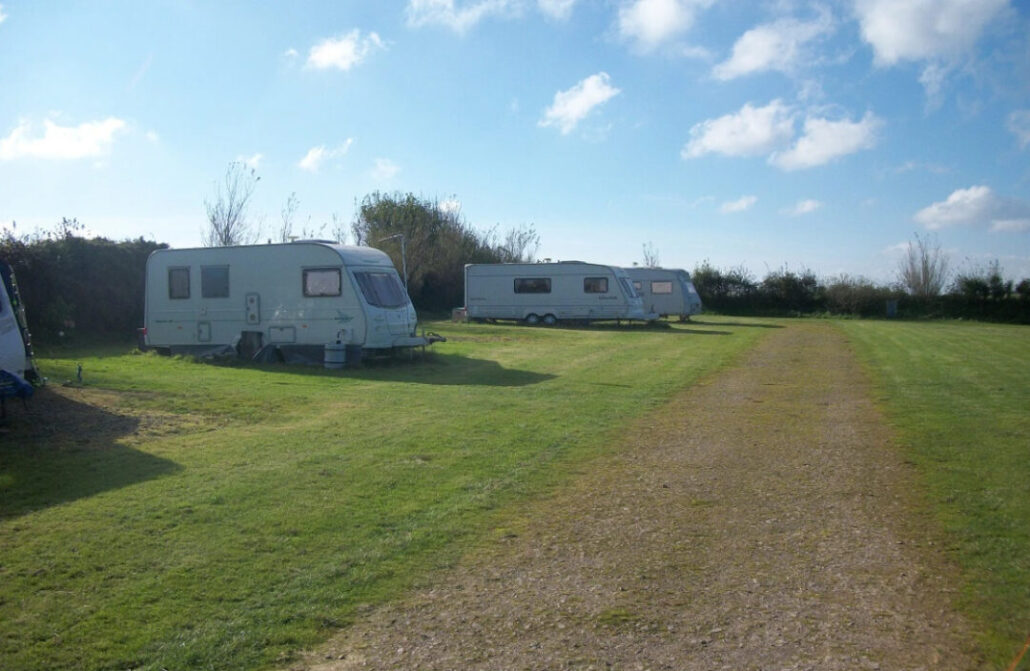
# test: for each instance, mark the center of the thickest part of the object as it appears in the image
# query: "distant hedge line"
(76, 285)
(787, 293)
(96, 287)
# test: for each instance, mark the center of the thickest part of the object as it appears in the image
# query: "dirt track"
(762, 520)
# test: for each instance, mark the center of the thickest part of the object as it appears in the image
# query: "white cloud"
(316, 156)
(739, 205)
(2, 15)
(774, 46)
(1018, 123)
(824, 140)
(450, 206)
(556, 9)
(977, 206)
(752, 131)
(573, 105)
(252, 161)
(384, 169)
(803, 207)
(343, 52)
(87, 140)
(291, 53)
(444, 13)
(650, 23)
(917, 30)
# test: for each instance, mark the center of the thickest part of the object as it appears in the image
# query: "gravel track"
(763, 519)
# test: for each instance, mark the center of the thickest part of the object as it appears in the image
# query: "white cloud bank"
(384, 169)
(1018, 124)
(766, 131)
(804, 207)
(938, 33)
(87, 140)
(2, 15)
(740, 205)
(751, 131)
(344, 51)
(977, 206)
(573, 105)
(824, 141)
(648, 24)
(460, 20)
(559, 10)
(778, 46)
(316, 156)
(917, 30)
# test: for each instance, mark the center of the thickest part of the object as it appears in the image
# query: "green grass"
(959, 397)
(224, 517)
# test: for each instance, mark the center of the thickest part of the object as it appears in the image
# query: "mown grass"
(183, 515)
(959, 396)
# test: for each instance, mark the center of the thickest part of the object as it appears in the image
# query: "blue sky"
(819, 135)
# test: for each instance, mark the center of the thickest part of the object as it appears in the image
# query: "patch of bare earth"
(762, 520)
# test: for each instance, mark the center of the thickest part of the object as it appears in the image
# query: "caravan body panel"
(666, 291)
(532, 292)
(300, 293)
(13, 353)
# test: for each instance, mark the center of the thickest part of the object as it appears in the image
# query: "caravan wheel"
(550, 320)
(532, 320)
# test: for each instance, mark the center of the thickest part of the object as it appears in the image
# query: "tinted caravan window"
(322, 282)
(382, 290)
(214, 281)
(178, 282)
(532, 285)
(595, 285)
(661, 287)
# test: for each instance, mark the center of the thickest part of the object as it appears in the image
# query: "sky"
(774, 134)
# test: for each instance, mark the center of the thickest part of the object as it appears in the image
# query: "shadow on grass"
(61, 450)
(432, 368)
(748, 325)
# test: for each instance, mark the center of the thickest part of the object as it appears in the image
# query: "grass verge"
(957, 394)
(169, 514)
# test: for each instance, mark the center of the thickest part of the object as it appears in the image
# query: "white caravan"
(549, 292)
(293, 296)
(15, 348)
(666, 291)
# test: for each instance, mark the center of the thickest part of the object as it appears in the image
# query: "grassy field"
(959, 397)
(170, 514)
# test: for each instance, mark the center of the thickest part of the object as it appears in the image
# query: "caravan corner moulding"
(295, 296)
(547, 293)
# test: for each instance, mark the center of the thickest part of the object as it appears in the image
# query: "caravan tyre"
(550, 320)
(532, 320)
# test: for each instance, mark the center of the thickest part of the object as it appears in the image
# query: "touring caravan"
(294, 298)
(15, 344)
(666, 291)
(549, 292)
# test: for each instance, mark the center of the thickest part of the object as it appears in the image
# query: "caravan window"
(595, 285)
(322, 282)
(661, 287)
(638, 285)
(179, 282)
(532, 285)
(214, 281)
(382, 290)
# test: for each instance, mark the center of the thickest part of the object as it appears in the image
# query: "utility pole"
(404, 257)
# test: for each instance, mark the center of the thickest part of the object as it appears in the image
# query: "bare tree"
(286, 217)
(227, 214)
(520, 245)
(923, 271)
(651, 259)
